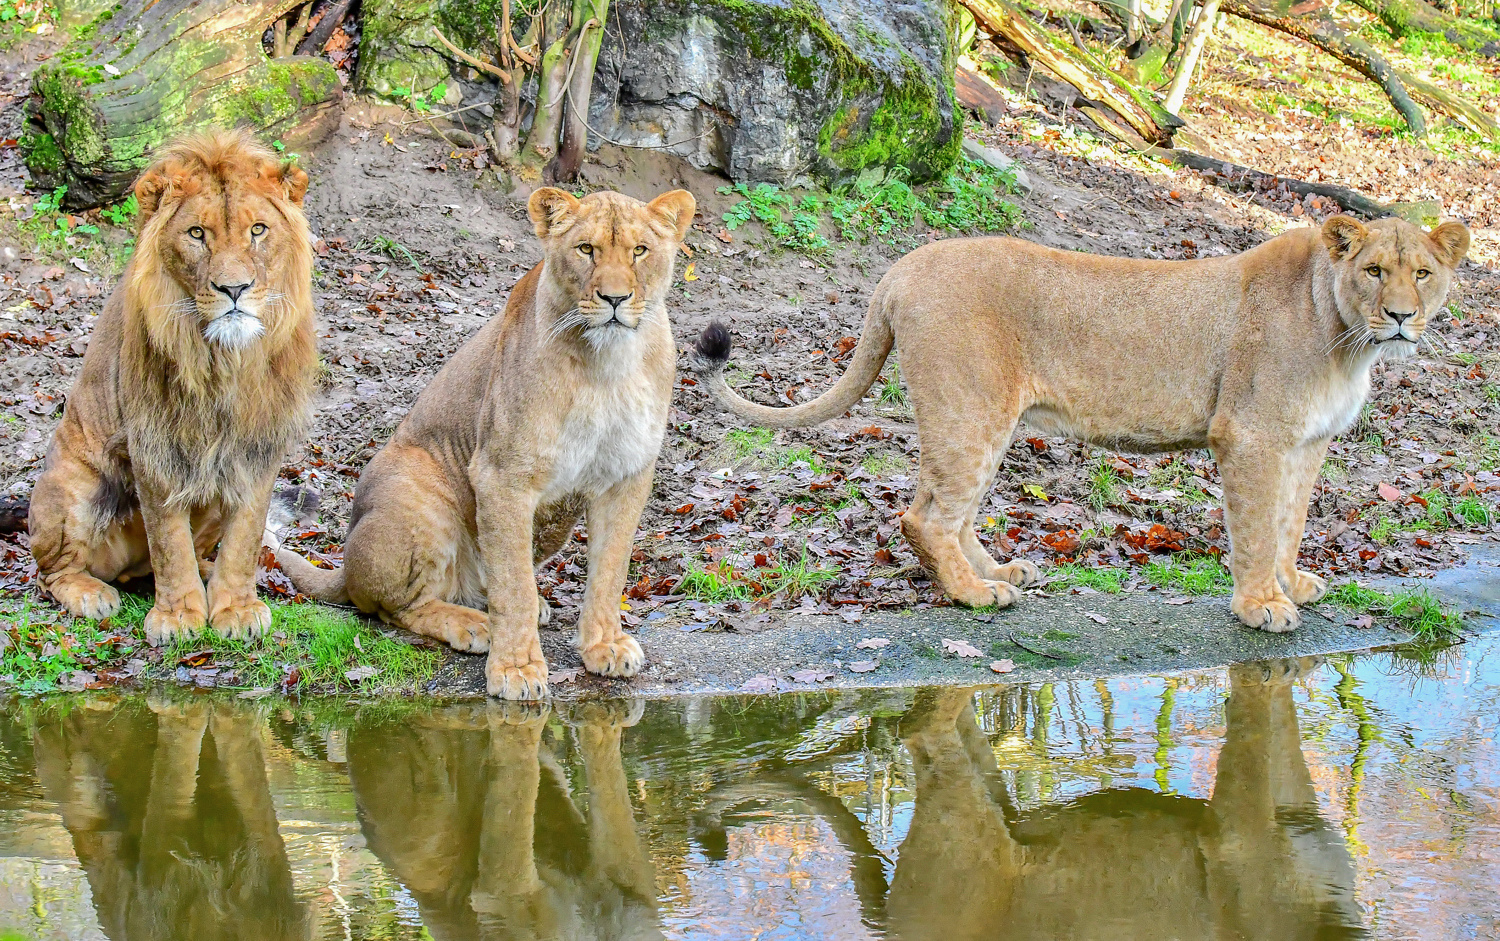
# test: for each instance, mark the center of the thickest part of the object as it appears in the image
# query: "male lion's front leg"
(612, 518)
(1254, 474)
(1303, 467)
(181, 607)
(516, 668)
(233, 608)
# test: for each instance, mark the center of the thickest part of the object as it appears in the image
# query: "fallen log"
(156, 68)
(1317, 28)
(1347, 199)
(318, 36)
(1406, 17)
(1077, 68)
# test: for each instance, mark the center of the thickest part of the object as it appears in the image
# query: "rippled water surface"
(1358, 797)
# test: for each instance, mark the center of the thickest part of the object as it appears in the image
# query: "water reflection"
(1282, 800)
(170, 815)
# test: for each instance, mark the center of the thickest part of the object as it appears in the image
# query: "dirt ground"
(419, 243)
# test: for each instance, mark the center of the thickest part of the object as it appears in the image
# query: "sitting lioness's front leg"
(181, 607)
(233, 609)
(1253, 499)
(1304, 466)
(516, 668)
(612, 518)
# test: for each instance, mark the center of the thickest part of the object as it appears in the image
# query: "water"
(1285, 800)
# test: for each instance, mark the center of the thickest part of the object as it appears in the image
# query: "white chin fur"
(233, 331)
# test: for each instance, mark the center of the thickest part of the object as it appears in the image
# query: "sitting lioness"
(1262, 356)
(196, 383)
(555, 408)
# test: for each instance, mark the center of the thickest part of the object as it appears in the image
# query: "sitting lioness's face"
(1390, 276)
(220, 230)
(612, 253)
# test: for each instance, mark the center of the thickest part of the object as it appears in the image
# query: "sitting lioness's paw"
(170, 619)
(1274, 614)
(1307, 588)
(84, 596)
(241, 621)
(985, 592)
(622, 657)
(525, 683)
(1020, 573)
(469, 634)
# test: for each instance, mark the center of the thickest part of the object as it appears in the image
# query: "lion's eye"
(584, 248)
(1422, 274)
(258, 229)
(1373, 271)
(196, 232)
(640, 250)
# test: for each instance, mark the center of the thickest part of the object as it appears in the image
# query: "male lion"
(196, 382)
(555, 407)
(1262, 356)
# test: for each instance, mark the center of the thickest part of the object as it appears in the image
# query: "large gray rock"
(782, 90)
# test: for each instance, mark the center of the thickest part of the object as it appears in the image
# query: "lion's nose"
(615, 300)
(1399, 315)
(233, 291)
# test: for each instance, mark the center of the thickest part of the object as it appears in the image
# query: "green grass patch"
(1072, 575)
(392, 249)
(882, 464)
(1416, 610)
(714, 584)
(749, 442)
(789, 577)
(1190, 573)
(892, 392)
(1104, 485)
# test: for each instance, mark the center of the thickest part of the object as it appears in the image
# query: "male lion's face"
(611, 253)
(1390, 276)
(220, 222)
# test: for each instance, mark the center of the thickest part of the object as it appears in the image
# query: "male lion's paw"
(171, 618)
(241, 621)
(525, 683)
(1020, 573)
(1307, 588)
(84, 596)
(1274, 613)
(622, 657)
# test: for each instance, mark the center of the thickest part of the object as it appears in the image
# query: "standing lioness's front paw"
(1307, 588)
(621, 657)
(1273, 613)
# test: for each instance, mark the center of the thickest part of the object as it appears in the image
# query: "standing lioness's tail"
(317, 584)
(712, 353)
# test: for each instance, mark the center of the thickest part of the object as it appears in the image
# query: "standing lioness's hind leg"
(955, 472)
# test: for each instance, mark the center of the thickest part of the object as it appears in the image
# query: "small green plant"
(1416, 610)
(1104, 485)
(121, 214)
(802, 454)
(1191, 573)
(392, 249)
(795, 579)
(1474, 511)
(892, 392)
(881, 464)
(714, 584)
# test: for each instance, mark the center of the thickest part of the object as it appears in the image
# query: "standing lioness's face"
(613, 254)
(219, 230)
(1391, 276)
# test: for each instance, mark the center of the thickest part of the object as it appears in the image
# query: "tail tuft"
(711, 352)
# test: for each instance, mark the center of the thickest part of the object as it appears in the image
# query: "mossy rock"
(144, 72)
(782, 90)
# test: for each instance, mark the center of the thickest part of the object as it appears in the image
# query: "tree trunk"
(591, 14)
(1196, 40)
(158, 68)
(1077, 68)
(541, 140)
(1317, 28)
(1404, 17)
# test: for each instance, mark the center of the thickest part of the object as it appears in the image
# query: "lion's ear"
(1450, 242)
(294, 180)
(1344, 236)
(148, 193)
(676, 209)
(548, 207)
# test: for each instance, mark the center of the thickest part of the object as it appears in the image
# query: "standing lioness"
(555, 408)
(1262, 356)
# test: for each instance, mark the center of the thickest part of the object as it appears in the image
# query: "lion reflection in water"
(473, 814)
(171, 817)
(1256, 861)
